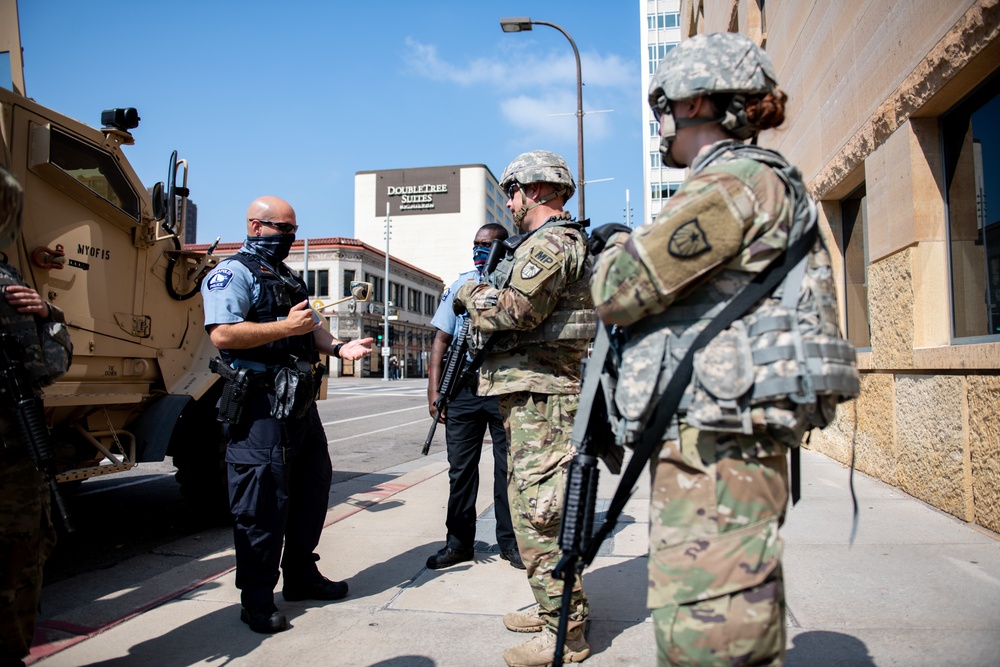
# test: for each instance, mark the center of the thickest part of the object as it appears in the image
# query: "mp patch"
(220, 279)
(688, 241)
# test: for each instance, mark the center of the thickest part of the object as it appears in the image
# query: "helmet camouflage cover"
(539, 167)
(722, 62)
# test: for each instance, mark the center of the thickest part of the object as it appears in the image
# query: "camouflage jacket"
(667, 280)
(44, 346)
(548, 283)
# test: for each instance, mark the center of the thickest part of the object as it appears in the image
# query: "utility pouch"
(294, 391)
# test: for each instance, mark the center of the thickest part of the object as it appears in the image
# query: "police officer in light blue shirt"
(257, 314)
(468, 416)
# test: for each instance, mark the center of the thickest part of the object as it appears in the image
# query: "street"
(371, 425)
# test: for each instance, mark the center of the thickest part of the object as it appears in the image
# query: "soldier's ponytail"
(767, 110)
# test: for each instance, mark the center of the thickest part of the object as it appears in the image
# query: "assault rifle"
(450, 384)
(31, 428)
(592, 438)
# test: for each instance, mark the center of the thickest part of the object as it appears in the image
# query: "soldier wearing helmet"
(537, 313)
(719, 485)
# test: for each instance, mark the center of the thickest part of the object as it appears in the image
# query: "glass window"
(971, 137)
(430, 304)
(854, 218)
(412, 300)
(318, 282)
(654, 128)
(348, 278)
(97, 170)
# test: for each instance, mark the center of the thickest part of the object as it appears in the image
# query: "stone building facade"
(893, 117)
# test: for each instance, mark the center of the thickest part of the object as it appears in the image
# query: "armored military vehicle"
(99, 246)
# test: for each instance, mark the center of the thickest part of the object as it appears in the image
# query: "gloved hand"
(600, 235)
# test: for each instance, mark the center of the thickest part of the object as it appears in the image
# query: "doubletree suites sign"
(418, 191)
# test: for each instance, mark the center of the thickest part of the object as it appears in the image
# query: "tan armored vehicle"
(97, 245)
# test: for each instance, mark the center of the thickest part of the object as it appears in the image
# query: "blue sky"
(292, 98)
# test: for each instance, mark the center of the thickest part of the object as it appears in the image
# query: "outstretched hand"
(355, 349)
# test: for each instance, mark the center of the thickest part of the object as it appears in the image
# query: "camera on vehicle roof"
(120, 119)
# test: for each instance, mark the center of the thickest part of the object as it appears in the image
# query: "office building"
(660, 32)
(434, 213)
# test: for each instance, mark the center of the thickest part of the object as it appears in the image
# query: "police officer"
(27, 536)
(719, 485)
(257, 314)
(538, 306)
(466, 420)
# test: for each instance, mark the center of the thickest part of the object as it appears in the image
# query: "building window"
(413, 300)
(854, 218)
(318, 283)
(971, 140)
(430, 304)
(664, 190)
(654, 159)
(489, 216)
(349, 277)
(654, 128)
(657, 52)
(378, 286)
(489, 186)
(663, 20)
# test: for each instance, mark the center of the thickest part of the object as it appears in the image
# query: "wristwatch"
(336, 350)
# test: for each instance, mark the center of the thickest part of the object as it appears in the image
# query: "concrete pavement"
(918, 587)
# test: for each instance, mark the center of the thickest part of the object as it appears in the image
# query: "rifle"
(31, 428)
(592, 439)
(449, 385)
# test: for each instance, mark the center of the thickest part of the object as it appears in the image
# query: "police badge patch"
(220, 279)
(688, 241)
(530, 270)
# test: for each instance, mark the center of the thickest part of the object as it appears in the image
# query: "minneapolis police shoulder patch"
(220, 279)
(447, 291)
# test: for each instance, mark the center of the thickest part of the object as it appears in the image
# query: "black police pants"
(467, 419)
(279, 488)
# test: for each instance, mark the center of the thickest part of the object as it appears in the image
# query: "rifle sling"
(763, 284)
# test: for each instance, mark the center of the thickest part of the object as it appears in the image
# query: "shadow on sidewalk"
(820, 647)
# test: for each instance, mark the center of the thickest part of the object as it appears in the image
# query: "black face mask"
(272, 249)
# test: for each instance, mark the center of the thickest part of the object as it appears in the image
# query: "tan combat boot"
(540, 651)
(524, 621)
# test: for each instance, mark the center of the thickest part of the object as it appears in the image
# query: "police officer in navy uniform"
(257, 314)
(466, 420)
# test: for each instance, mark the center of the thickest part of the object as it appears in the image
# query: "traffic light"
(378, 338)
(392, 335)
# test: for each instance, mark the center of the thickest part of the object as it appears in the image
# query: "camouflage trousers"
(26, 540)
(538, 430)
(715, 584)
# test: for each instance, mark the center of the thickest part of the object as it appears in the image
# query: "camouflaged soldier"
(26, 532)
(538, 305)
(719, 482)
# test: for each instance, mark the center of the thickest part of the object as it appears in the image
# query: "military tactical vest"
(279, 291)
(573, 317)
(778, 371)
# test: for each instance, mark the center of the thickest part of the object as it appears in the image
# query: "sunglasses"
(283, 227)
(512, 188)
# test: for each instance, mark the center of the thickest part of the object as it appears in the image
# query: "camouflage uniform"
(26, 532)
(535, 369)
(717, 498)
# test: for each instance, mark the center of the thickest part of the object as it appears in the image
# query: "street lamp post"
(524, 23)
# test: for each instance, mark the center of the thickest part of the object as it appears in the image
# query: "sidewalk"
(917, 588)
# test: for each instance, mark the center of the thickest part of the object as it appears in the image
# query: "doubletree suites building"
(433, 213)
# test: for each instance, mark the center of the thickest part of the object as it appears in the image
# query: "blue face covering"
(479, 257)
(274, 248)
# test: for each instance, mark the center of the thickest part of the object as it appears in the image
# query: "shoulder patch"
(530, 270)
(447, 291)
(220, 279)
(688, 240)
(542, 257)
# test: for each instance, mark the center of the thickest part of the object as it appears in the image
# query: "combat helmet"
(11, 203)
(538, 167)
(722, 62)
